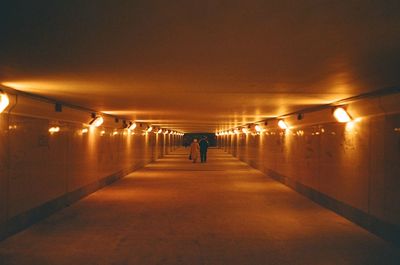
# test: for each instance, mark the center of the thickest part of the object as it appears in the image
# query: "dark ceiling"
(199, 65)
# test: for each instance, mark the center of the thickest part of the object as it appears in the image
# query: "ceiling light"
(245, 130)
(341, 115)
(4, 101)
(97, 121)
(159, 131)
(258, 128)
(236, 131)
(282, 124)
(149, 129)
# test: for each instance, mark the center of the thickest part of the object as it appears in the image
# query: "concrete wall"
(352, 169)
(41, 172)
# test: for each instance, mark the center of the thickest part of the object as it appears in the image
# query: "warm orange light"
(245, 130)
(84, 130)
(159, 131)
(341, 115)
(132, 126)
(149, 129)
(4, 101)
(258, 128)
(102, 133)
(282, 124)
(97, 121)
(54, 130)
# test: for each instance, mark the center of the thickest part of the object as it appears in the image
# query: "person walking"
(194, 150)
(203, 149)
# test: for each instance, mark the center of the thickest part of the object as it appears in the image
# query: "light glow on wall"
(84, 130)
(4, 101)
(350, 126)
(341, 115)
(282, 124)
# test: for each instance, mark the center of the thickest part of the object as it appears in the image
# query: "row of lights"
(56, 129)
(340, 114)
(97, 121)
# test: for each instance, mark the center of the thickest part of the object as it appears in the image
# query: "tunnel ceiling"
(199, 65)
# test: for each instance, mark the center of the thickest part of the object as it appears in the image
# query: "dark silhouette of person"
(203, 149)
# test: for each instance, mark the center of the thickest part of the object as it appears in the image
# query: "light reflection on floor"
(176, 212)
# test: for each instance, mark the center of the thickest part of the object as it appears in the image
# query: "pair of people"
(199, 148)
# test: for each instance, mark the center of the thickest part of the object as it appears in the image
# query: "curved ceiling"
(199, 65)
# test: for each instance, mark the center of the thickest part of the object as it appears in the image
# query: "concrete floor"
(176, 212)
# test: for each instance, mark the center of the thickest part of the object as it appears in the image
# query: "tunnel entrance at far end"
(188, 138)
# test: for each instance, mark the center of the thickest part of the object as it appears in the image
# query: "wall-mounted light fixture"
(245, 130)
(84, 130)
(132, 126)
(4, 101)
(166, 132)
(282, 124)
(341, 115)
(96, 121)
(159, 131)
(236, 131)
(300, 116)
(58, 107)
(55, 129)
(149, 129)
(258, 128)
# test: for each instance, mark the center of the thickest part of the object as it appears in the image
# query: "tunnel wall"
(353, 169)
(42, 172)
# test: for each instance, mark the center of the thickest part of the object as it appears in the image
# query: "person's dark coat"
(203, 145)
